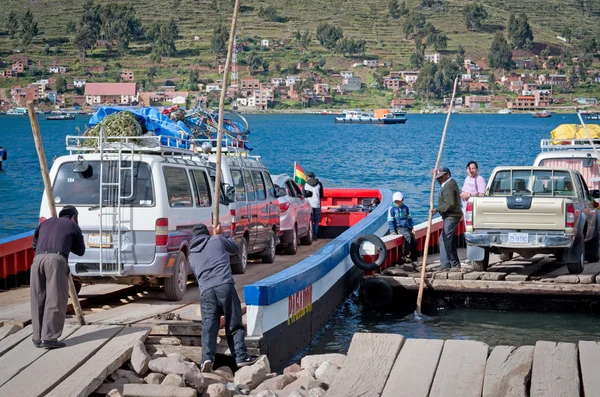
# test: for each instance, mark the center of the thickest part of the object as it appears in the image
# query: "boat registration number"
(94, 240)
(518, 238)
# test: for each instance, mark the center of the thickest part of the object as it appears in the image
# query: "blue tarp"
(161, 125)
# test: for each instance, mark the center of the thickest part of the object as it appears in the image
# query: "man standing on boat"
(314, 186)
(210, 261)
(451, 212)
(474, 184)
(53, 240)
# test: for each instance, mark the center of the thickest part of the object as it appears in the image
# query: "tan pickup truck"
(533, 210)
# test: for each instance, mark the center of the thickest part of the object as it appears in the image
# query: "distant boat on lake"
(381, 116)
(542, 115)
(504, 111)
(17, 112)
(61, 117)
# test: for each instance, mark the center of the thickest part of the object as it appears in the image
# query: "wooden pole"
(37, 137)
(427, 236)
(216, 200)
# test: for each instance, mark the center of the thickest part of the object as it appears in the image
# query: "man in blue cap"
(451, 212)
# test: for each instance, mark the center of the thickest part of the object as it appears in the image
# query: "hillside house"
(79, 83)
(410, 76)
(557, 79)
(321, 89)
(247, 86)
(110, 93)
(392, 83)
(291, 80)
(56, 69)
(478, 101)
(22, 95)
(262, 98)
(213, 87)
(350, 84)
(18, 66)
(587, 101)
(127, 75)
(370, 63)
(522, 102)
(433, 58)
(264, 43)
(401, 103)
(458, 102)
(242, 101)
(278, 81)
(346, 74)
(159, 97)
(524, 64)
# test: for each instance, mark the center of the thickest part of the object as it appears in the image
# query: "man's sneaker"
(249, 360)
(206, 366)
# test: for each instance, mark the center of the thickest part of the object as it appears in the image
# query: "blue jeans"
(449, 244)
(316, 220)
(220, 301)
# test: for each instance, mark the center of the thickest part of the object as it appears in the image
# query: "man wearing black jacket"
(314, 186)
(53, 241)
(209, 259)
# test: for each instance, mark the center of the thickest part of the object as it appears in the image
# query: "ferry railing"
(394, 244)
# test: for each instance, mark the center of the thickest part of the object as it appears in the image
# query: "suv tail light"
(42, 219)
(162, 231)
(469, 214)
(232, 214)
(284, 207)
(570, 221)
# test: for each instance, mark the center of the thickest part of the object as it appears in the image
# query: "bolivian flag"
(299, 175)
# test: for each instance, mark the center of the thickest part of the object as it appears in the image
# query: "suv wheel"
(308, 239)
(292, 248)
(176, 285)
(239, 267)
(269, 253)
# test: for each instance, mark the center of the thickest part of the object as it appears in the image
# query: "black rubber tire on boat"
(375, 293)
(379, 248)
(482, 265)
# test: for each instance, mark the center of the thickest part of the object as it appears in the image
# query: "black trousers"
(410, 244)
(223, 301)
(49, 291)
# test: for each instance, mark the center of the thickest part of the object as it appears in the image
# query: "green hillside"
(368, 20)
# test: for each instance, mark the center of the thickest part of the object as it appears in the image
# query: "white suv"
(295, 215)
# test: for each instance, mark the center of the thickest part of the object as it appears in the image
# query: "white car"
(296, 221)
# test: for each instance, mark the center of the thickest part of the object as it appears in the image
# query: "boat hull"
(398, 120)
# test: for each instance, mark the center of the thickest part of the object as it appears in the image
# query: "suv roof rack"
(568, 144)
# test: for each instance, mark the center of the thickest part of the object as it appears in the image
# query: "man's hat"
(441, 172)
(310, 174)
(200, 229)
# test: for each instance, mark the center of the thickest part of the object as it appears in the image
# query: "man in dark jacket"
(53, 240)
(314, 186)
(209, 259)
(451, 212)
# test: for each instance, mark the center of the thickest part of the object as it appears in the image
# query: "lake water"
(398, 157)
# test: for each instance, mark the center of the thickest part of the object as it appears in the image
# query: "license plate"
(518, 238)
(94, 240)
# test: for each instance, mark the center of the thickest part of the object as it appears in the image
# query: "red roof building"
(110, 93)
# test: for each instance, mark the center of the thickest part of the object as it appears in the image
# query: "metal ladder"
(111, 173)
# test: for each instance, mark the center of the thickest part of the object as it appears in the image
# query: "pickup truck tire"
(577, 267)
(482, 265)
(506, 256)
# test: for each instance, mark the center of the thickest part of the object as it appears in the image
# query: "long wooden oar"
(50, 197)
(217, 196)
(427, 236)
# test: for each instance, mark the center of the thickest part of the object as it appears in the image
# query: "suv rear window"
(84, 188)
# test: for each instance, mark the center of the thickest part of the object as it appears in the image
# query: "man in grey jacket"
(209, 259)
(451, 212)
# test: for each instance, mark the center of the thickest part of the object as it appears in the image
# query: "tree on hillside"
(328, 35)
(152, 31)
(414, 24)
(519, 31)
(351, 46)
(218, 42)
(447, 72)
(394, 9)
(500, 55)
(61, 85)
(305, 39)
(84, 40)
(91, 17)
(119, 22)
(589, 45)
(255, 62)
(165, 45)
(566, 33)
(417, 58)
(437, 40)
(545, 53)
(28, 28)
(152, 73)
(474, 14)
(402, 8)
(425, 84)
(71, 27)
(460, 56)
(12, 23)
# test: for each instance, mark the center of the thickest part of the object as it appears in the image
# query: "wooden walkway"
(541, 274)
(392, 366)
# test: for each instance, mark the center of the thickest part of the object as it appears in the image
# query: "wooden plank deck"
(463, 368)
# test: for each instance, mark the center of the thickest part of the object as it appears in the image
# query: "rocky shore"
(173, 375)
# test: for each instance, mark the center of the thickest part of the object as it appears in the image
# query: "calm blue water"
(398, 157)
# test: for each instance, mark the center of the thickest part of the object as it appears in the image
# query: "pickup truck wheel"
(576, 267)
(482, 265)
(506, 256)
